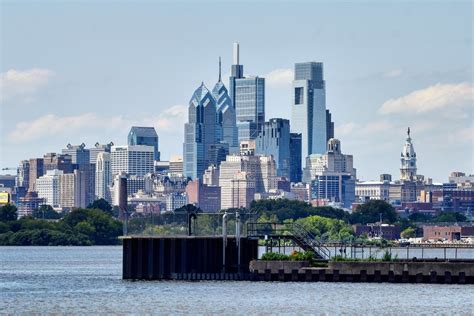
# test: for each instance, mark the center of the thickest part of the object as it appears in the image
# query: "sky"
(85, 72)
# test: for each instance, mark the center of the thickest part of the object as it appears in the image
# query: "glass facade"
(309, 115)
(144, 136)
(295, 157)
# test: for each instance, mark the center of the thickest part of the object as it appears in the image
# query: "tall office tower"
(79, 154)
(242, 176)
(329, 126)
(248, 98)
(408, 161)
(274, 139)
(23, 174)
(176, 165)
(217, 153)
(134, 160)
(226, 129)
(99, 148)
(52, 161)
(309, 108)
(199, 132)
(87, 172)
(103, 176)
(36, 171)
(144, 136)
(206, 197)
(211, 176)
(332, 175)
(48, 187)
(296, 169)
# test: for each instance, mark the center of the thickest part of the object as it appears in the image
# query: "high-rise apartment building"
(134, 160)
(274, 139)
(248, 98)
(98, 148)
(139, 135)
(80, 155)
(199, 132)
(309, 115)
(103, 176)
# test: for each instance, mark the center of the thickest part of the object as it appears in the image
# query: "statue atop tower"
(408, 160)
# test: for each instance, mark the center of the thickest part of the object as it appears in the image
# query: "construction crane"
(8, 168)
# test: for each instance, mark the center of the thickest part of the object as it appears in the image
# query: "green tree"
(418, 217)
(8, 213)
(327, 228)
(409, 232)
(46, 212)
(103, 205)
(370, 212)
(450, 217)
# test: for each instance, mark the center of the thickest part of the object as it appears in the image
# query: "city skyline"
(47, 102)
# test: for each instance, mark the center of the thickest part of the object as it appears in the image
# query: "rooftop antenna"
(236, 54)
(219, 68)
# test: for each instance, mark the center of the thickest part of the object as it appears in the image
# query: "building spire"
(219, 69)
(408, 131)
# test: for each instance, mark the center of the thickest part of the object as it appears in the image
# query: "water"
(87, 280)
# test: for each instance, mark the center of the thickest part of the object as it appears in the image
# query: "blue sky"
(86, 71)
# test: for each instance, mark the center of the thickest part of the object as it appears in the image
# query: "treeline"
(79, 227)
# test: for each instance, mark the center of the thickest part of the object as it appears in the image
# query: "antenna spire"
(220, 68)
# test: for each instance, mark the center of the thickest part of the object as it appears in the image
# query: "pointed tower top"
(220, 69)
(408, 131)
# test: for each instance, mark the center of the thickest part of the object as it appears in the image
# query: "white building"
(373, 190)
(133, 159)
(175, 200)
(408, 160)
(103, 176)
(48, 187)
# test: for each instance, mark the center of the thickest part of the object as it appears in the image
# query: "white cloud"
(168, 121)
(439, 96)
(23, 84)
(279, 77)
(393, 73)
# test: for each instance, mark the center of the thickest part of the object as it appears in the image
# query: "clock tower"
(408, 160)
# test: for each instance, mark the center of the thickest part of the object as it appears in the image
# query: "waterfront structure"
(206, 197)
(241, 176)
(226, 128)
(296, 169)
(119, 193)
(147, 136)
(248, 98)
(36, 170)
(53, 161)
(132, 159)
(199, 132)
(80, 155)
(98, 148)
(103, 176)
(332, 175)
(309, 115)
(48, 187)
(385, 231)
(274, 139)
(408, 161)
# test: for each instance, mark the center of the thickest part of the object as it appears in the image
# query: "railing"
(310, 240)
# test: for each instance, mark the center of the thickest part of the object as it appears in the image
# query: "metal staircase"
(295, 232)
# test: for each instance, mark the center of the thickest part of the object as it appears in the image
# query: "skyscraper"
(199, 132)
(103, 176)
(134, 159)
(48, 187)
(79, 154)
(226, 130)
(329, 126)
(23, 174)
(52, 161)
(309, 108)
(99, 148)
(296, 169)
(248, 98)
(274, 139)
(144, 136)
(36, 170)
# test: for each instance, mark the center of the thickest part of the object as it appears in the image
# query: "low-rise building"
(449, 233)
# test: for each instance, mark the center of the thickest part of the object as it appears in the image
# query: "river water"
(87, 280)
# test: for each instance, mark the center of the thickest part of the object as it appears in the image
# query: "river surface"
(87, 280)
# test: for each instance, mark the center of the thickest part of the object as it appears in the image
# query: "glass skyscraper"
(199, 133)
(248, 98)
(274, 139)
(144, 136)
(309, 107)
(296, 170)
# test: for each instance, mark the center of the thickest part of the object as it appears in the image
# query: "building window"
(299, 95)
